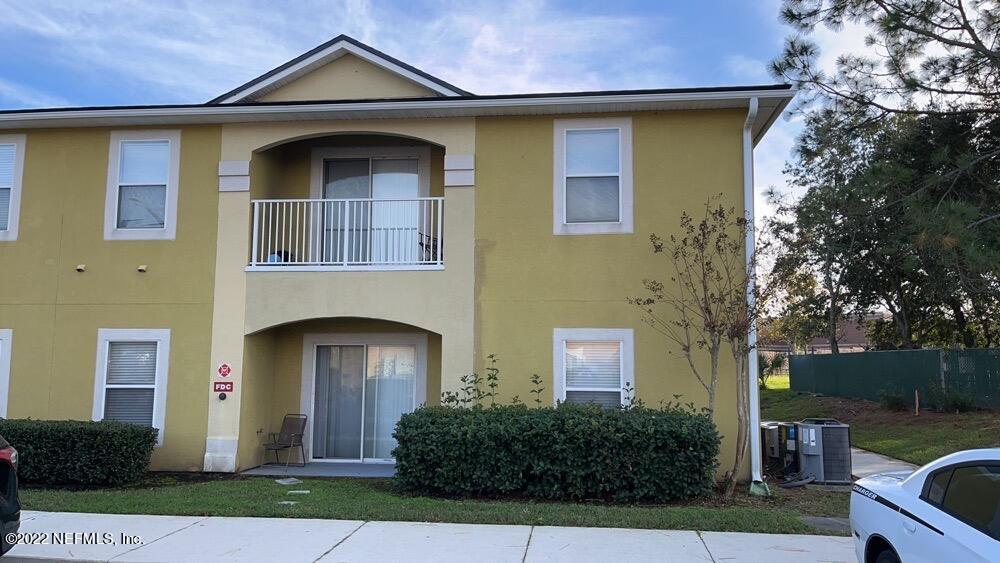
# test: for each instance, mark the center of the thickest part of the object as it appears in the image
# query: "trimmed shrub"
(76, 453)
(892, 401)
(937, 398)
(569, 452)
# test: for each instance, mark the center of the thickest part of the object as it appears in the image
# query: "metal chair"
(292, 429)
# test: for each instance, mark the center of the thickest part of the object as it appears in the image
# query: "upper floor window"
(11, 166)
(143, 169)
(592, 182)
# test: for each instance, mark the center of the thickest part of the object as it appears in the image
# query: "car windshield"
(3, 443)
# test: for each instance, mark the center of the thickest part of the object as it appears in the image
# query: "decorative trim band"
(234, 175)
(459, 170)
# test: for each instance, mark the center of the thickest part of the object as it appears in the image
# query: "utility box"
(824, 450)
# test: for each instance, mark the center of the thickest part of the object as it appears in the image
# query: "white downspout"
(748, 206)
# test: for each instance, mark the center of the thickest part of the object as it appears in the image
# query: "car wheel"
(887, 556)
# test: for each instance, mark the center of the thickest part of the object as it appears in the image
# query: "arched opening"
(352, 377)
(348, 200)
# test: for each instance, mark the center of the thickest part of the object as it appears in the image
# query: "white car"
(946, 511)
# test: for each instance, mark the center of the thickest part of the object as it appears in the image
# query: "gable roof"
(325, 53)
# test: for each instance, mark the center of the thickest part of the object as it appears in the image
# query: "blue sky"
(68, 52)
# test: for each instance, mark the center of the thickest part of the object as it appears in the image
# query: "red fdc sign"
(222, 387)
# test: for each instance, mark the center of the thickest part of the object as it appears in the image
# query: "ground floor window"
(131, 378)
(593, 365)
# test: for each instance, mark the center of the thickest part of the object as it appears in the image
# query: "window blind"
(131, 363)
(593, 373)
(6, 183)
(134, 406)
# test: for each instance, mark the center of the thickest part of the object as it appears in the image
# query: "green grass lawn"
(902, 435)
(375, 499)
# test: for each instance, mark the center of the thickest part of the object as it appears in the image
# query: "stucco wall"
(530, 281)
(347, 78)
(55, 311)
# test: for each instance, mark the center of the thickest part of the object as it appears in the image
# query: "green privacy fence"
(973, 373)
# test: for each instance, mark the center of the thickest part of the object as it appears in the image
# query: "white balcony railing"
(361, 234)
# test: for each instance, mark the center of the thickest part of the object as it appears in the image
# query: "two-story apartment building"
(346, 236)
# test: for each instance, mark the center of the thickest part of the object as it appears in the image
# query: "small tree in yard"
(710, 303)
(768, 366)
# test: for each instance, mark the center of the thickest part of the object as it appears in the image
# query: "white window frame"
(6, 346)
(560, 336)
(422, 154)
(169, 230)
(162, 338)
(14, 213)
(624, 224)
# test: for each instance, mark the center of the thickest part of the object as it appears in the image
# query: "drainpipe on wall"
(757, 486)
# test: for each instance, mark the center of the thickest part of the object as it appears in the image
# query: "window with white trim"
(131, 379)
(11, 171)
(592, 181)
(143, 169)
(593, 366)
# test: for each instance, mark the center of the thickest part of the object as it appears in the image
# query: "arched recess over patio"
(330, 369)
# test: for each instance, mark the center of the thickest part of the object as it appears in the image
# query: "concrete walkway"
(326, 469)
(865, 463)
(183, 538)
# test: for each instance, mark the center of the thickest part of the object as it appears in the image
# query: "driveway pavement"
(184, 538)
(865, 463)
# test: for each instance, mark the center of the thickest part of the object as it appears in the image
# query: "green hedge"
(70, 452)
(568, 452)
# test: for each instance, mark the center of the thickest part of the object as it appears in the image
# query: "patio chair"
(292, 429)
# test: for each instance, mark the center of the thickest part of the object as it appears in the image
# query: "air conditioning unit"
(780, 451)
(769, 437)
(824, 448)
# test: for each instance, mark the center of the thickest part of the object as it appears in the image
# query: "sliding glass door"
(361, 392)
(376, 217)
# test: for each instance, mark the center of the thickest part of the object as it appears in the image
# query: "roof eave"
(774, 100)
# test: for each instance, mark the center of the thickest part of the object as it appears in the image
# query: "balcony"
(347, 234)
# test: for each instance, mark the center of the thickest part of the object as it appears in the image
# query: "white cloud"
(747, 69)
(19, 96)
(190, 51)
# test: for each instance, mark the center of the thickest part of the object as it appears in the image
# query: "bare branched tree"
(710, 303)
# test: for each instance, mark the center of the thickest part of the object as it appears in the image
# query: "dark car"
(10, 506)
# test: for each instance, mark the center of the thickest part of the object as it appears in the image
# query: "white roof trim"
(327, 55)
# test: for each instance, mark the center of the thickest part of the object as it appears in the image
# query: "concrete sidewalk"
(183, 538)
(865, 463)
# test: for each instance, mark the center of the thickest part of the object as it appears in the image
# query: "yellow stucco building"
(345, 237)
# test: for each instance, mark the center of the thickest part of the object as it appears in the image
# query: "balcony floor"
(326, 469)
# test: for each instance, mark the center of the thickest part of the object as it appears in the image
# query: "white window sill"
(139, 234)
(592, 229)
